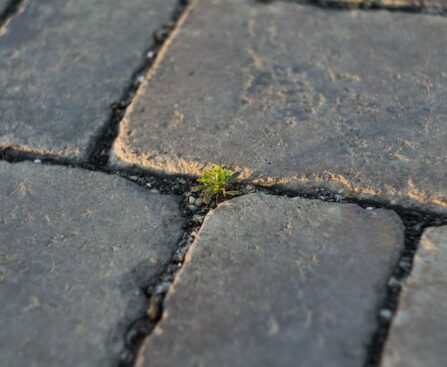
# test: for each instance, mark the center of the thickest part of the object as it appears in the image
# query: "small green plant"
(215, 182)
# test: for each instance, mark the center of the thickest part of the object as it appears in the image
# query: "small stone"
(386, 314)
(405, 264)
(154, 191)
(134, 178)
(162, 287)
(193, 208)
(37, 161)
(369, 208)
(192, 200)
(197, 218)
(199, 201)
(182, 181)
(394, 282)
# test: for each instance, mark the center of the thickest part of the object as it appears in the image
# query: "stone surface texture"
(418, 334)
(62, 65)
(276, 281)
(76, 247)
(301, 97)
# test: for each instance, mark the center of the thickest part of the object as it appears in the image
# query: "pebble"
(386, 314)
(369, 208)
(404, 264)
(199, 201)
(193, 208)
(134, 178)
(155, 191)
(37, 161)
(162, 287)
(192, 200)
(394, 282)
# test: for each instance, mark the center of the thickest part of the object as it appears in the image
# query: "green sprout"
(215, 182)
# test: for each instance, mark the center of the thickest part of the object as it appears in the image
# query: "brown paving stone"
(62, 65)
(418, 334)
(275, 281)
(300, 97)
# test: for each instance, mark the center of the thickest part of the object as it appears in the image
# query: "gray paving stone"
(275, 281)
(63, 63)
(75, 248)
(300, 97)
(418, 335)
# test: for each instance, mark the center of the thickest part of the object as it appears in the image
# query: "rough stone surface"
(418, 334)
(62, 65)
(75, 249)
(300, 96)
(275, 281)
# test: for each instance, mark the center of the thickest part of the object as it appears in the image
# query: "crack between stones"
(371, 5)
(102, 144)
(13, 8)
(415, 221)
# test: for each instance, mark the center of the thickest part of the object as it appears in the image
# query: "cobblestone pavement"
(333, 251)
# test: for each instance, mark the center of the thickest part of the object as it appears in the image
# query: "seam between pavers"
(101, 145)
(372, 5)
(14, 7)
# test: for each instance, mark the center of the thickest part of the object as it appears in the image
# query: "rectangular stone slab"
(275, 281)
(62, 65)
(301, 97)
(76, 249)
(418, 335)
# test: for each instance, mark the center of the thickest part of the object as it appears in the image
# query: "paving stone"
(300, 97)
(76, 247)
(419, 331)
(62, 65)
(275, 281)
